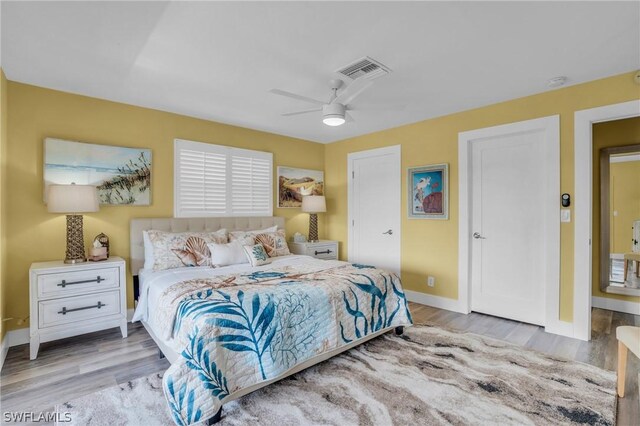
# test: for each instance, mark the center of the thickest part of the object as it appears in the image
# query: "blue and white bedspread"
(239, 330)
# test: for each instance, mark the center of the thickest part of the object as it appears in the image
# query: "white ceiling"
(218, 60)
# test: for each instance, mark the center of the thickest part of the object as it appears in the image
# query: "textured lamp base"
(75, 240)
(313, 227)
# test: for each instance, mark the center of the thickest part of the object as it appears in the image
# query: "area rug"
(428, 376)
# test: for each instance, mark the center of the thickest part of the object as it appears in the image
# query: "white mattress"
(152, 284)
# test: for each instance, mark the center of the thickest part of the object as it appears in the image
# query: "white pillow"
(148, 251)
(256, 254)
(227, 254)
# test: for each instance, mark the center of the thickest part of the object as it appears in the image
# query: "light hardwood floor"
(73, 367)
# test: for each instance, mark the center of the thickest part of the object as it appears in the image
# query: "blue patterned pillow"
(256, 254)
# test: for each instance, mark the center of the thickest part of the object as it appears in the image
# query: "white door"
(374, 207)
(514, 219)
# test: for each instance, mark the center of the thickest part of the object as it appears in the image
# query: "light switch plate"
(565, 215)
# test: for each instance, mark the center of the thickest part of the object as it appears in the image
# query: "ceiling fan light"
(333, 120)
(333, 114)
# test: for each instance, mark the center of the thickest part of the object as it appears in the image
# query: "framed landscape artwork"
(429, 192)
(294, 183)
(122, 175)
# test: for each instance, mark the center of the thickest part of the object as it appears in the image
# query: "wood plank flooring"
(73, 367)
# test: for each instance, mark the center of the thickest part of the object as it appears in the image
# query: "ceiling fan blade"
(374, 108)
(288, 114)
(352, 91)
(294, 96)
(348, 117)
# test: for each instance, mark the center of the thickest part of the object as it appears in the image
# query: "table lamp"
(313, 204)
(73, 199)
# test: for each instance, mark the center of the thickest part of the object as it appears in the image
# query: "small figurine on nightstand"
(104, 240)
(100, 248)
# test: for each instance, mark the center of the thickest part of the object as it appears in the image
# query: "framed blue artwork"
(428, 192)
(121, 175)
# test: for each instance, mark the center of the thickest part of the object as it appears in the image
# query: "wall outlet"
(431, 281)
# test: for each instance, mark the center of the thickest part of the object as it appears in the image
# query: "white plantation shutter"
(201, 184)
(215, 180)
(250, 185)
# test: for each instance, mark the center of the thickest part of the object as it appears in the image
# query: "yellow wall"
(608, 134)
(625, 201)
(35, 113)
(3, 204)
(430, 247)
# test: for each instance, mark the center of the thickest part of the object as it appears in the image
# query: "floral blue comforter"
(239, 330)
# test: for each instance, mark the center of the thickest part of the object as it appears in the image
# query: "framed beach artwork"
(122, 175)
(294, 183)
(429, 192)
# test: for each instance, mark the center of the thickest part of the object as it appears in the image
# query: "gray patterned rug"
(429, 376)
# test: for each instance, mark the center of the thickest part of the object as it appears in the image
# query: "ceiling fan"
(334, 112)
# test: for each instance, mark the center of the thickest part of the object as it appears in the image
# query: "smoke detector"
(556, 82)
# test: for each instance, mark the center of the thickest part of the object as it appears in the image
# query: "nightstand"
(68, 300)
(323, 249)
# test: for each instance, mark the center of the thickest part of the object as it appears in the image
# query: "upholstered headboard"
(191, 224)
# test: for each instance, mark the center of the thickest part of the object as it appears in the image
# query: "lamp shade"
(314, 204)
(72, 198)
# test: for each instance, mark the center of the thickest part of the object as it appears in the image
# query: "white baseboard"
(130, 314)
(435, 301)
(13, 338)
(616, 305)
(18, 337)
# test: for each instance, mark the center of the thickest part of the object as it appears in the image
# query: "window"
(216, 180)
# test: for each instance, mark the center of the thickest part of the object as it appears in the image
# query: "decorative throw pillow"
(175, 250)
(256, 254)
(248, 237)
(148, 251)
(243, 239)
(275, 243)
(227, 254)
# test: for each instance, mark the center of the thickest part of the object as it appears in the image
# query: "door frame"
(583, 213)
(376, 152)
(551, 125)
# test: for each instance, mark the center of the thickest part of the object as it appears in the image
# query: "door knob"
(389, 232)
(477, 236)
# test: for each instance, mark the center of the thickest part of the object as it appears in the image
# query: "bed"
(232, 330)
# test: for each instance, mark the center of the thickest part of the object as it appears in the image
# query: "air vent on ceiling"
(366, 67)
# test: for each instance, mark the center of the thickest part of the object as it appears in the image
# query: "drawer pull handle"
(323, 252)
(64, 310)
(64, 283)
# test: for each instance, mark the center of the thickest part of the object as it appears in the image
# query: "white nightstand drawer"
(78, 308)
(322, 251)
(77, 282)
